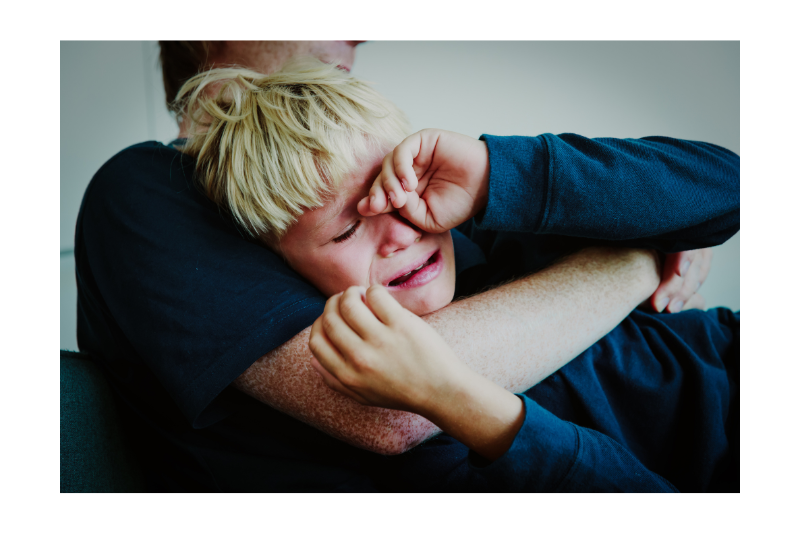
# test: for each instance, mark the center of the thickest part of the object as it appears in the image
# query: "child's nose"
(398, 234)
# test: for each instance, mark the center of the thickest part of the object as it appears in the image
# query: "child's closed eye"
(347, 234)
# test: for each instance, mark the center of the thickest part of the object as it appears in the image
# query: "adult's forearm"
(518, 334)
(514, 335)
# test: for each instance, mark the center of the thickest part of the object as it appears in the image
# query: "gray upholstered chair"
(94, 454)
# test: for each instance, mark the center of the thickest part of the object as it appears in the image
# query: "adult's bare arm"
(515, 335)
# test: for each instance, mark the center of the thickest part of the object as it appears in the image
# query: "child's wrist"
(445, 405)
(480, 414)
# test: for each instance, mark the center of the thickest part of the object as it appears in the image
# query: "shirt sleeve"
(548, 454)
(173, 300)
(551, 455)
(655, 192)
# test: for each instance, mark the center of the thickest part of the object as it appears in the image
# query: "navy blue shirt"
(174, 303)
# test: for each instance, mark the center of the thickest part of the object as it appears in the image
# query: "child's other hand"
(436, 179)
(381, 354)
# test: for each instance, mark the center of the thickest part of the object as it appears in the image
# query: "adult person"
(175, 306)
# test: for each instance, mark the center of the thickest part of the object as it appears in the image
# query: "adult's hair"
(180, 60)
(269, 146)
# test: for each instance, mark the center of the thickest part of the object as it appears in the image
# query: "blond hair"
(268, 146)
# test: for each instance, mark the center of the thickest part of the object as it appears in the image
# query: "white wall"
(111, 97)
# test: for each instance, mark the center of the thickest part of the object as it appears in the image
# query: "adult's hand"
(436, 179)
(682, 275)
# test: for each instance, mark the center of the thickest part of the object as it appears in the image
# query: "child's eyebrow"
(344, 203)
(341, 206)
(336, 210)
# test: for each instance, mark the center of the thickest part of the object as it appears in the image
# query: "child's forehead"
(342, 201)
(356, 183)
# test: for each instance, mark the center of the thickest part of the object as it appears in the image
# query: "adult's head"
(180, 60)
(289, 155)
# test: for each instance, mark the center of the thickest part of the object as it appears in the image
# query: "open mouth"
(421, 274)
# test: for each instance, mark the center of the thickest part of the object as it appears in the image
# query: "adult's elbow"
(398, 432)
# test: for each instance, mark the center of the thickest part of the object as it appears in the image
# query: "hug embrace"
(304, 295)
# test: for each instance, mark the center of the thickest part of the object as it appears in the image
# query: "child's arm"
(544, 331)
(378, 353)
(656, 193)
(383, 355)
(515, 335)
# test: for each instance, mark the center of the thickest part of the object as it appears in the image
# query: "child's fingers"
(377, 196)
(391, 183)
(404, 154)
(342, 337)
(324, 352)
(331, 381)
(364, 207)
(384, 305)
(379, 199)
(376, 202)
(416, 212)
(358, 316)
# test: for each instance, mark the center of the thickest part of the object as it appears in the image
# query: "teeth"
(412, 271)
(408, 274)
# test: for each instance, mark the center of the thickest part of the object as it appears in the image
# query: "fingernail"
(417, 239)
(390, 255)
(405, 185)
(684, 267)
(391, 196)
(677, 307)
(662, 303)
(372, 200)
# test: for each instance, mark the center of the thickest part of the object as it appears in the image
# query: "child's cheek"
(344, 270)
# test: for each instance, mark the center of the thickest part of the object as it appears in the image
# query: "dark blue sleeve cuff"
(518, 178)
(540, 457)
(604, 465)
(551, 455)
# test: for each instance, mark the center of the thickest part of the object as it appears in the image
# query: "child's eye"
(347, 234)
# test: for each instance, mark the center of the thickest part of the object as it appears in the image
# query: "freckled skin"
(515, 335)
(286, 379)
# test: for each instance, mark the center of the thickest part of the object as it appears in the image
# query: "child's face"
(334, 247)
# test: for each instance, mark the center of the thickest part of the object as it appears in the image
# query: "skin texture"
(371, 349)
(375, 249)
(514, 335)
(285, 380)
(683, 275)
(434, 178)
